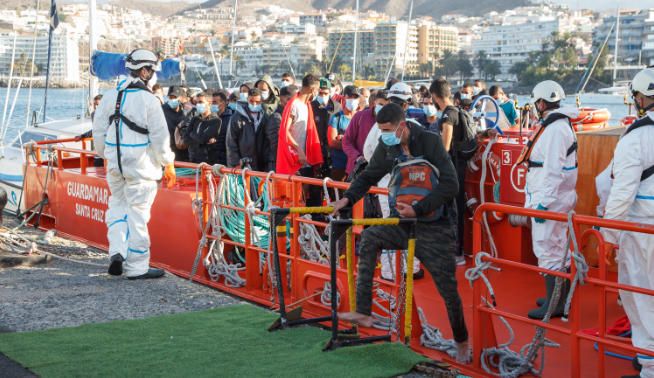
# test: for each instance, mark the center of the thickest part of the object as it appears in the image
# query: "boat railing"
(482, 311)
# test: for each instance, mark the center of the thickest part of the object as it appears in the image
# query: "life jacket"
(526, 152)
(645, 121)
(413, 179)
(117, 117)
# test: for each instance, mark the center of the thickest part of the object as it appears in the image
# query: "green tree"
(448, 64)
(492, 69)
(481, 60)
(464, 67)
(344, 70)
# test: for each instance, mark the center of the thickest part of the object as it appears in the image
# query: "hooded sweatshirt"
(272, 102)
(247, 138)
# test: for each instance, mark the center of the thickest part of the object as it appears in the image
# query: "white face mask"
(352, 104)
(265, 95)
(152, 81)
(243, 96)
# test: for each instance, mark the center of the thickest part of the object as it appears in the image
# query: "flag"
(54, 18)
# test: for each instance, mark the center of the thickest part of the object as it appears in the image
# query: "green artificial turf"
(226, 342)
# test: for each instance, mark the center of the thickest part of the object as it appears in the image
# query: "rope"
(580, 263)
(432, 337)
(482, 194)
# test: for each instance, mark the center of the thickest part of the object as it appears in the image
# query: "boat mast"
(408, 37)
(53, 24)
(231, 54)
(356, 32)
(11, 77)
(615, 53)
(29, 93)
(215, 65)
(93, 46)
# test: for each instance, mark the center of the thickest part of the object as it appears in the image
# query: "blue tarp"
(108, 66)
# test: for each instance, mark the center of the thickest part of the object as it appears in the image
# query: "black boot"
(550, 282)
(151, 273)
(116, 265)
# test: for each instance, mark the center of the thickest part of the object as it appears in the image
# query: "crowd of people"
(321, 128)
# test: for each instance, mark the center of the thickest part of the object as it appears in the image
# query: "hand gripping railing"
(574, 332)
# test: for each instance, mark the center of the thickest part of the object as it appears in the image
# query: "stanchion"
(337, 228)
(294, 317)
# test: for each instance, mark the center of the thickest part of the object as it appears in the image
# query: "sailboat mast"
(93, 46)
(231, 53)
(615, 53)
(53, 15)
(354, 47)
(408, 38)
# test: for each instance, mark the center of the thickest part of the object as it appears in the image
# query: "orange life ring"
(591, 118)
(628, 120)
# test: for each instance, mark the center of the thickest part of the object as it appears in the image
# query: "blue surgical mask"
(378, 108)
(200, 108)
(215, 109)
(232, 105)
(243, 96)
(430, 110)
(352, 104)
(322, 100)
(285, 84)
(254, 108)
(265, 95)
(389, 138)
(173, 103)
(465, 96)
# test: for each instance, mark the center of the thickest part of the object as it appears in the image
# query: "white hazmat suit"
(552, 186)
(632, 200)
(142, 158)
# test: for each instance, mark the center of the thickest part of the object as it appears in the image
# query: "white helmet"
(140, 58)
(400, 90)
(547, 90)
(643, 82)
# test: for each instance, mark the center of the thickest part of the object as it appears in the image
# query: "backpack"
(371, 205)
(413, 179)
(467, 146)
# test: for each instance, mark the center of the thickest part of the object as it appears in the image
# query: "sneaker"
(151, 273)
(460, 260)
(116, 265)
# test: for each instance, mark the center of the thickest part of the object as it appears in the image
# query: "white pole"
(5, 127)
(615, 53)
(11, 77)
(408, 37)
(215, 66)
(356, 33)
(231, 54)
(93, 45)
(29, 93)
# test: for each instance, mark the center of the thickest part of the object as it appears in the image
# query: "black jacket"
(198, 134)
(173, 118)
(321, 115)
(423, 143)
(221, 146)
(243, 141)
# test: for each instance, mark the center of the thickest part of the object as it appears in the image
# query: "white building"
(395, 43)
(64, 66)
(511, 43)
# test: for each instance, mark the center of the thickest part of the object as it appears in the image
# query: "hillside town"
(213, 43)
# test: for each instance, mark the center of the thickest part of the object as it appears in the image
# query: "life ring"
(591, 118)
(476, 182)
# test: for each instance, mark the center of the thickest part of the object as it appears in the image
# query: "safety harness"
(526, 153)
(645, 121)
(117, 117)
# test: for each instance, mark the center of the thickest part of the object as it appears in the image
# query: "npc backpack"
(467, 146)
(413, 179)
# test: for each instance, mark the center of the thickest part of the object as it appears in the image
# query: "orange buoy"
(591, 118)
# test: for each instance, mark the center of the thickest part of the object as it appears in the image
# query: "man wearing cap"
(338, 123)
(174, 113)
(402, 94)
(324, 107)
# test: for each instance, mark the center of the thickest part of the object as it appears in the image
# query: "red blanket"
(287, 158)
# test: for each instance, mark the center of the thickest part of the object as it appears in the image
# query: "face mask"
(465, 96)
(352, 104)
(378, 108)
(389, 138)
(285, 84)
(200, 108)
(173, 103)
(254, 108)
(322, 100)
(232, 105)
(243, 96)
(152, 81)
(366, 101)
(430, 110)
(476, 90)
(265, 95)
(215, 109)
